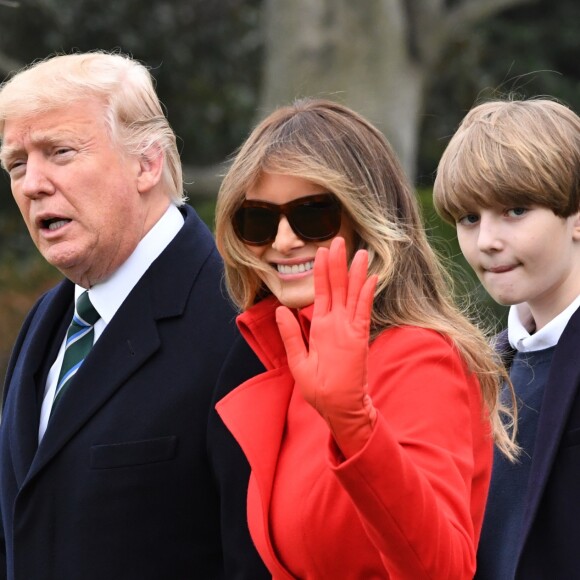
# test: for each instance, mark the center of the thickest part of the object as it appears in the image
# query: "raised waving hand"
(331, 371)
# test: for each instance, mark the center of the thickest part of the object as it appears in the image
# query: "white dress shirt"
(547, 336)
(108, 296)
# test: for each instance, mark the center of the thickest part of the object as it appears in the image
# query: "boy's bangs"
(467, 195)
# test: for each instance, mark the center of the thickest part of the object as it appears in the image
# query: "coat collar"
(258, 326)
(255, 412)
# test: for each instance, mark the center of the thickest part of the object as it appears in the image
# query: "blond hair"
(330, 145)
(133, 112)
(511, 152)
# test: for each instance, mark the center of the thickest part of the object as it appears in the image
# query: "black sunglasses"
(314, 218)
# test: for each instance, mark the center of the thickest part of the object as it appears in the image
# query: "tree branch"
(468, 13)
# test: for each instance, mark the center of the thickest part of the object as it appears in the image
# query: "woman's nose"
(286, 240)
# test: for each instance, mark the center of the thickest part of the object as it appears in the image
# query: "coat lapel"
(255, 414)
(131, 338)
(561, 390)
(125, 345)
(27, 381)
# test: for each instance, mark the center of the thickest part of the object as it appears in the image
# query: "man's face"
(80, 196)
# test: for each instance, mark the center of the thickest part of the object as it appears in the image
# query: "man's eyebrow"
(6, 153)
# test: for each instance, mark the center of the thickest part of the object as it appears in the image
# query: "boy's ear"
(150, 168)
(576, 227)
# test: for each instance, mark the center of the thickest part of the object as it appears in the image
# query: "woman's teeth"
(295, 268)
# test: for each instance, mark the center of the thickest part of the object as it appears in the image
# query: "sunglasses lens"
(317, 219)
(312, 218)
(256, 225)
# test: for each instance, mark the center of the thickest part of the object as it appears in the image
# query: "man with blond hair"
(104, 471)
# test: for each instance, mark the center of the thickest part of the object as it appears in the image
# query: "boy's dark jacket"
(549, 543)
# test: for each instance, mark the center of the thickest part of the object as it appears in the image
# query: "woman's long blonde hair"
(328, 144)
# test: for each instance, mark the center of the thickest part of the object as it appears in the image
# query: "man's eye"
(14, 166)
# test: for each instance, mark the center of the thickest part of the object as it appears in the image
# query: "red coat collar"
(255, 412)
(258, 326)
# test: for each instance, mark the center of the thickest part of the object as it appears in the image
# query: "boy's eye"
(468, 219)
(516, 211)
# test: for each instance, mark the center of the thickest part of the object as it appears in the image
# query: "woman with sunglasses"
(369, 433)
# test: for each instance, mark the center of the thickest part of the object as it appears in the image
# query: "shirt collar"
(546, 337)
(108, 296)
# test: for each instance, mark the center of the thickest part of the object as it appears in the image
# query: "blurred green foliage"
(206, 57)
(527, 51)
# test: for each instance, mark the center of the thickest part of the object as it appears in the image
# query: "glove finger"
(365, 303)
(321, 283)
(357, 277)
(291, 336)
(338, 272)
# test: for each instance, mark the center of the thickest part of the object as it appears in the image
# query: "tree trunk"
(353, 52)
(375, 56)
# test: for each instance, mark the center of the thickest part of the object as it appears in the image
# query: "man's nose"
(35, 181)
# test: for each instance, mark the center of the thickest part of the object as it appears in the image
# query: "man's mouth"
(53, 224)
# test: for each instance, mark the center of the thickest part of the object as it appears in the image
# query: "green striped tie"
(79, 341)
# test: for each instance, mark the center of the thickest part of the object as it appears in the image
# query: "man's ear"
(150, 167)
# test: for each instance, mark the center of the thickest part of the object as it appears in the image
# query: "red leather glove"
(332, 372)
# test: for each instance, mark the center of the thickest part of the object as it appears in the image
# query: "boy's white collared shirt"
(546, 337)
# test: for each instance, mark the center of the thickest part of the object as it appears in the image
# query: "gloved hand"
(332, 372)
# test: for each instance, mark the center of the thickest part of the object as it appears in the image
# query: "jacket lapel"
(27, 381)
(131, 337)
(561, 390)
(255, 414)
(125, 345)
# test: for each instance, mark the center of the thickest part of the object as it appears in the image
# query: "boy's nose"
(489, 238)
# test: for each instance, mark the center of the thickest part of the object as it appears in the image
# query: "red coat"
(408, 505)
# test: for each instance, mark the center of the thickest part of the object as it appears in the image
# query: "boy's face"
(524, 254)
